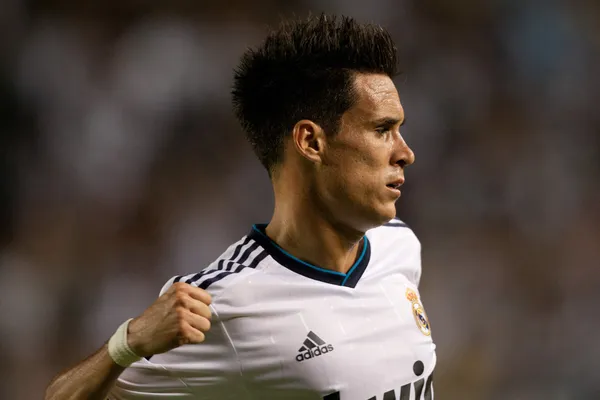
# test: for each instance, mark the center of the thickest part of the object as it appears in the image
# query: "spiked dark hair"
(305, 70)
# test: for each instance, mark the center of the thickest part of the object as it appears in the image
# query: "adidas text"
(311, 353)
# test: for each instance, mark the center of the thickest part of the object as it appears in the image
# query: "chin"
(365, 216)
(388, 214)
(381, 215)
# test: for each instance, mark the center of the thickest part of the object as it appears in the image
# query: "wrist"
(119, 349)
(134, 338)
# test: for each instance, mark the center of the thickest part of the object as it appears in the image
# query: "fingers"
(190, 307)
(180, 316)
(184, 300)
(199, 294)
(198, 322)
(189, 335)
(191, 327)
(192, 291)
(200, 309)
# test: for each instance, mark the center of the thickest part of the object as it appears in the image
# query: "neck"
(303, 231)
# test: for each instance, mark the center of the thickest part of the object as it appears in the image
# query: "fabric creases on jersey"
(279, 332)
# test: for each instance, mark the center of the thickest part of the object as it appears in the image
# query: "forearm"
(91, 379)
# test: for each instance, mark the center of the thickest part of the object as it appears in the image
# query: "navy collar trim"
(349, 279)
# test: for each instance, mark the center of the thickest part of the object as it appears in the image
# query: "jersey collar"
(349, 279)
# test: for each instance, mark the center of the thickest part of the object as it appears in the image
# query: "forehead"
(377, 98)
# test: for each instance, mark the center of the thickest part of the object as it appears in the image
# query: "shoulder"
(396, 245)
(241, 260)
(394, 233)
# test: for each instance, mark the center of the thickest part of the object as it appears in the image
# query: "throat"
(320, 247)
(320, 264)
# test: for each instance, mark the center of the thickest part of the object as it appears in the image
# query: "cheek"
(366, 164)
(354, 167)
(357, 175)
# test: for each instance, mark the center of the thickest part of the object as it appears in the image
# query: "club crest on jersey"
(418, 312)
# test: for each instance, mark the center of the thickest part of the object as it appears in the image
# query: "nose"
(403, 154)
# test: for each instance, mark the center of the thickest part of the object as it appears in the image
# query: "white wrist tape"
(119, 350)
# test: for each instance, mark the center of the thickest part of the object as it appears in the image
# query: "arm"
(91, 379)
(180, 316)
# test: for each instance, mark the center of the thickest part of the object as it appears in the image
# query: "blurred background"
(121, 165)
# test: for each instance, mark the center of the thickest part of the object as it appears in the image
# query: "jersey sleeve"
(209, 370)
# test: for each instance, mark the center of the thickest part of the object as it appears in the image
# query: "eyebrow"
(388, 121)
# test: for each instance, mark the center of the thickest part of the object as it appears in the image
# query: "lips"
(396, 184)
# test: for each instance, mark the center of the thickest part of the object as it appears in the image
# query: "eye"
(383, 130)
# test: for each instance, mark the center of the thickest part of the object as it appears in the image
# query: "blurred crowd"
(121, 165)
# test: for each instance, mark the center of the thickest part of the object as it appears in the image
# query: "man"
(321, 303)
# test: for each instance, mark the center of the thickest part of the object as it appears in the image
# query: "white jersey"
(286, 329)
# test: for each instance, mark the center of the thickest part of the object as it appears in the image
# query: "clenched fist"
(180, 316)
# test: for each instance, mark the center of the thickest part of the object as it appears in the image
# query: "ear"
(309, 140)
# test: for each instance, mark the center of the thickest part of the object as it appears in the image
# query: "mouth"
(395, 186)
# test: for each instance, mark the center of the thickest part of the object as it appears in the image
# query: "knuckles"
(181, 312)
(186, 336)
(182, 290)
(180, 287)
(183, 307)
(181, 298)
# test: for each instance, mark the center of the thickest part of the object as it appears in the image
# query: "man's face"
(364, 163)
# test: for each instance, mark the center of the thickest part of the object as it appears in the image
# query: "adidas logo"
(313, 346)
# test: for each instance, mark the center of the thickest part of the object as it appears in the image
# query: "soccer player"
(322, 302)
